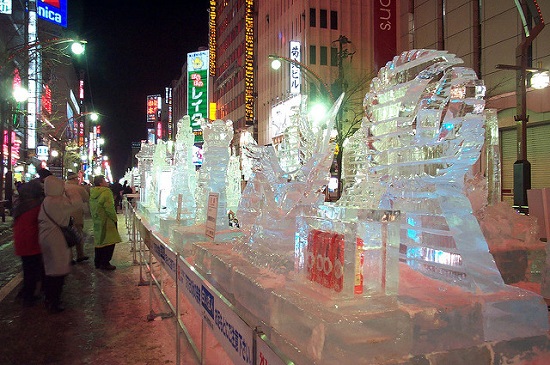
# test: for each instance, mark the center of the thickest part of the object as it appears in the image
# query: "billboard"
(53, 11)
(384, 32)
(281, 115)
(154, 105)
(197, 90)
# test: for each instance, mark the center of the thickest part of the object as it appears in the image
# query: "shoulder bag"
(70, 232)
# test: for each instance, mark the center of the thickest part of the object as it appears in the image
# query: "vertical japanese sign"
(295, 72)
(154, 105)
(385, 28)
(197, 90)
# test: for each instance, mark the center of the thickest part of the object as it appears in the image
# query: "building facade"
(334, 41)
(485, 34)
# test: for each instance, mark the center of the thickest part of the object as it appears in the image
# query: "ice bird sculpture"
(273, 197)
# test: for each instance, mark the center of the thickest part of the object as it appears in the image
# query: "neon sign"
(54, 11)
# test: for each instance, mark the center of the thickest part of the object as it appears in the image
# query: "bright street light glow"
(20, 94)
(318, 112)
(55, 153)
(77, 48)
(540, 80)
(276, 64)
(94, 117)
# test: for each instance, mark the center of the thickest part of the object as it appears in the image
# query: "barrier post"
(141, 263)
(178, 345)
(203, 341)
(151, 316)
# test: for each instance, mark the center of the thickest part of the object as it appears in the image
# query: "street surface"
(10, 264)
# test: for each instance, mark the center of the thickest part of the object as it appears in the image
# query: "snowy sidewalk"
(105, 320)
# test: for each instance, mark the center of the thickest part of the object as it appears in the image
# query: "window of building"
(312, 55)
(323, 18)
(333, 19)
(333, 56)
(312, 17)
(323, 55)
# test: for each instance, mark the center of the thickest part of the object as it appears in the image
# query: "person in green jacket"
(102, 209)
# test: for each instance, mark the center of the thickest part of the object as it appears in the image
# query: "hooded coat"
(55, 252)
(77, 193)
(102, 209)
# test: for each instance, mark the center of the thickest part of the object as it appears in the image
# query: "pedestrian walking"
(26, 208)
(56, 211)
(104, 218)
(117, 188)
(79, 196)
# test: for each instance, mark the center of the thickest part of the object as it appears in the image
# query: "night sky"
(134, 49)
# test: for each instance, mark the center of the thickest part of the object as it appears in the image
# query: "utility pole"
(522, 167)
(340, 87)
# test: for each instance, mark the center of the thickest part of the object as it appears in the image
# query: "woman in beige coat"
(55, 211)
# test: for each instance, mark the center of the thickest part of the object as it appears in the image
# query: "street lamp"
(31, 53)
(11, 112)
(522, 168)
(31, 49)
(321, 85)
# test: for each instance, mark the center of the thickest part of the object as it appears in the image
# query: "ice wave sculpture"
(273, 198)
(424, 122)
(212, 175)
(184, 180)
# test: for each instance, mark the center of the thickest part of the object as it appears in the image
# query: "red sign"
(153, 105)
(52, 3)
(385, 32)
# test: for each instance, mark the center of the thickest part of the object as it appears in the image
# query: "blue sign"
(54, 11)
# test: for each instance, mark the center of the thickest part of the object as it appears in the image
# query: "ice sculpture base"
(168, 224)
(309, 325)
(182, 237)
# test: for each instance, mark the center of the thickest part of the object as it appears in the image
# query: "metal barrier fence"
(244, 343)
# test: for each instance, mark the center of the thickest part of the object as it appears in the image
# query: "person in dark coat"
(25, 235)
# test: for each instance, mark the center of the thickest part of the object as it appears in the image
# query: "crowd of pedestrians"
(41, 208)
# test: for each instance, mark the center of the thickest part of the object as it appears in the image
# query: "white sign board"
(295, 72)
(5, 6)
(212, 215)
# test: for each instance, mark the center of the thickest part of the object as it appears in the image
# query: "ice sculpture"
(184, 179)
(234, 177)
(160, 178)
(212, 175)
(425, 116)
(273, 198)
(145, 165)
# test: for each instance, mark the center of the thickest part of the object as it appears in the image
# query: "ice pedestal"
(310, 324)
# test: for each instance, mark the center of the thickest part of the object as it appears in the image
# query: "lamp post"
(11, 113)
(31, 53)
(322, 87)
(528, 9)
